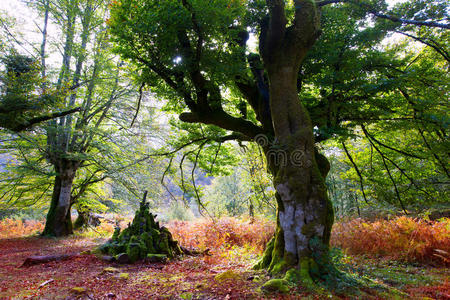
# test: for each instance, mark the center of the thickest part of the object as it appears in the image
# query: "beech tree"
(68, 158)
(194, 54)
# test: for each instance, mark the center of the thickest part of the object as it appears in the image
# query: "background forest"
(86, 121)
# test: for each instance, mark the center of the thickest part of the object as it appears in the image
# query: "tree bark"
(305, 214)
(59, 222)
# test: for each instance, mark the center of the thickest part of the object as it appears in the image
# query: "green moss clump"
(147, 239)
(292, 275)
(267, 256)
(275, 285)
(278, 267)
(133, 249)
(229, 274)
(142, 237)
(305, 277)
(156, 257)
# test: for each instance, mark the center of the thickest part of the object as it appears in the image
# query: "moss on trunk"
(58, 222)
(301, 256)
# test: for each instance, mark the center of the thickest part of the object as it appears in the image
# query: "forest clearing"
(224, 149)
(235, 247)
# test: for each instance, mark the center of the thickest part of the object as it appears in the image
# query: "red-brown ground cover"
(180, 278)
(235, 245)
(403, 238)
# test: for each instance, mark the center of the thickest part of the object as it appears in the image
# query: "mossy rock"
(133, 251)
(155, 233)
(275, 285)
(147, 239)
(227, 275)
(292, 275)
(122, 258)
(142, 237)
(151, 257)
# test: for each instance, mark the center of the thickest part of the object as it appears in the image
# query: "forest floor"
(85, 277)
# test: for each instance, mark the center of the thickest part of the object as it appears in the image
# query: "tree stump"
(143, 239)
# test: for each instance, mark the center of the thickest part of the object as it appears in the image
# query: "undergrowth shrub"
(12, 228)
(222, 234)
(403, 239)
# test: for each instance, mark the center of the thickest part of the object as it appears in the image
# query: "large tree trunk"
(59, 222)
(305, 214)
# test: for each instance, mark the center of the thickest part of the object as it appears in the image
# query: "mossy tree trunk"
(59, 222)
(305, 214)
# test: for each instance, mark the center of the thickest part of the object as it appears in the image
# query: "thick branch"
(165, 74)
(278, 20)
(225, 121)
(35, 260)
(306, 23)
(44, 118)
(196, 26)
(274, 29)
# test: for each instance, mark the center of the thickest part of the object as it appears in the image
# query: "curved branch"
(164, 175)
(139, 104)
(442, 52)
(199, 201)
(357, 171)
(393, 181)
(223, 120)
(215, 158)
(390, 148)
(387, 17)
(403, 172)
(411, 22)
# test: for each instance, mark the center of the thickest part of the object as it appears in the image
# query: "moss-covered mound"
(142, 239)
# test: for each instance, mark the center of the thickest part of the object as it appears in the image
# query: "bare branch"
(139, 104)
(435, 47)
(164, 175)
(411, 22)
(357, 171)
(393, 149)
(323, 3)
(43, 118)
(388, 17)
